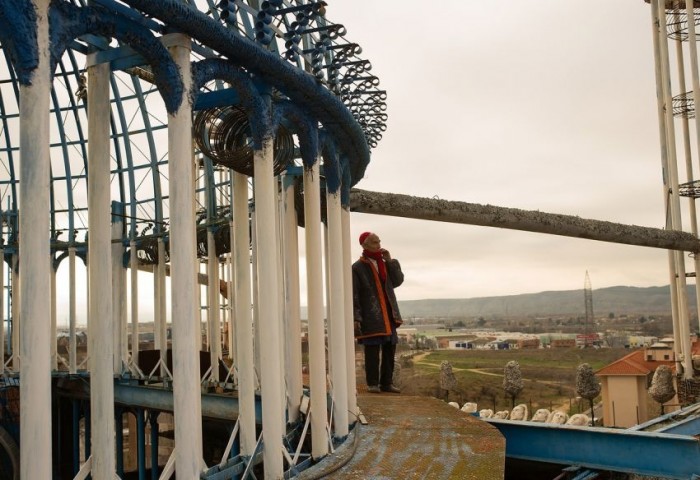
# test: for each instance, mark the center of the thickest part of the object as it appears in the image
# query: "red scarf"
(377, 257)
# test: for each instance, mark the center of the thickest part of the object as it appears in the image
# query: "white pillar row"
(35, 387)
(292, 302)
(118, 294)
(162, 310)
(183, 264)
(2, 310)
(695, 76)
(100, 346)
(54, 350)
(687, 151)
(213, 318)
(348, 314)
(265, 195)
(243, 315)
(315, 311)
(336, 299)
(16, 312)
(663, 141)
(72, 338)
(674, 201)
(134, 267)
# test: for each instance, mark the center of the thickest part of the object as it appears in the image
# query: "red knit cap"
(363, 237)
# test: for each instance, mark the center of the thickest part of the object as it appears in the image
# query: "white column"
(267, 255)
(35, 387)
(674, 200)
(349, 329)
(183, 264)
(72, 340)
(336, 299)
(292, 302)
(54, 352)
(2, 310)
(117, 255)
(256, 289)
(231, 289)
(134, 266)
(100, 346)
(213, 319)
(157, 306)
(314, 282)
(16, 312)
(162, 309)
(243, 316)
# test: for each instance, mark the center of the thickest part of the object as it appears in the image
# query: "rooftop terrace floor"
(409, 437)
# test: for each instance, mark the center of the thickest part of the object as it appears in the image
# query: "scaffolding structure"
(173, 137)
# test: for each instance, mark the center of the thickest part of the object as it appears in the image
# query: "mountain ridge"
(617, 299)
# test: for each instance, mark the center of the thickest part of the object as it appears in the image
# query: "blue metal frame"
(643, 453)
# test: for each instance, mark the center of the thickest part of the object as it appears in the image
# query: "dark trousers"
(376, 374)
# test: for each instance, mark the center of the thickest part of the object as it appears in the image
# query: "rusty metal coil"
(223, 134)
(147, 252)
(222, 240)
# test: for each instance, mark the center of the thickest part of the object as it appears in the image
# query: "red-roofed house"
(625, 382)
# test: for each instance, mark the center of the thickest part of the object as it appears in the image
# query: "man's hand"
(358, 328)
(385, 254)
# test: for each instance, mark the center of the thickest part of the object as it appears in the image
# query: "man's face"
(372, 243)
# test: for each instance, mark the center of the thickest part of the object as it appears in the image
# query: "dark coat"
(369, 300)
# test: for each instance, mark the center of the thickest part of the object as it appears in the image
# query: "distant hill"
(620, 300)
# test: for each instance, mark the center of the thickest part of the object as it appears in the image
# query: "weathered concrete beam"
(397, 205)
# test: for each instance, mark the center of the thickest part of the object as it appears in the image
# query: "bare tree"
(587, 386)
(512, 380)
(662, 389)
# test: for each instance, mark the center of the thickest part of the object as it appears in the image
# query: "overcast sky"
(543, 105)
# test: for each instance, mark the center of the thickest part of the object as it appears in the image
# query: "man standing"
(376, 312)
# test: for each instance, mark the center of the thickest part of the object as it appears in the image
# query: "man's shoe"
(391, 388)
(373, 389)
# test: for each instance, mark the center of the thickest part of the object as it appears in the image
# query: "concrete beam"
(397, 205)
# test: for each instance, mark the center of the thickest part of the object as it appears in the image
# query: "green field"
(549, 374)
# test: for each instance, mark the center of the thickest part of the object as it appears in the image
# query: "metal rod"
(134, 264)
(54, 328)
(72, 339)
(162, 310)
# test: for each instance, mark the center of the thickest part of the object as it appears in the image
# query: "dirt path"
(420, 359)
